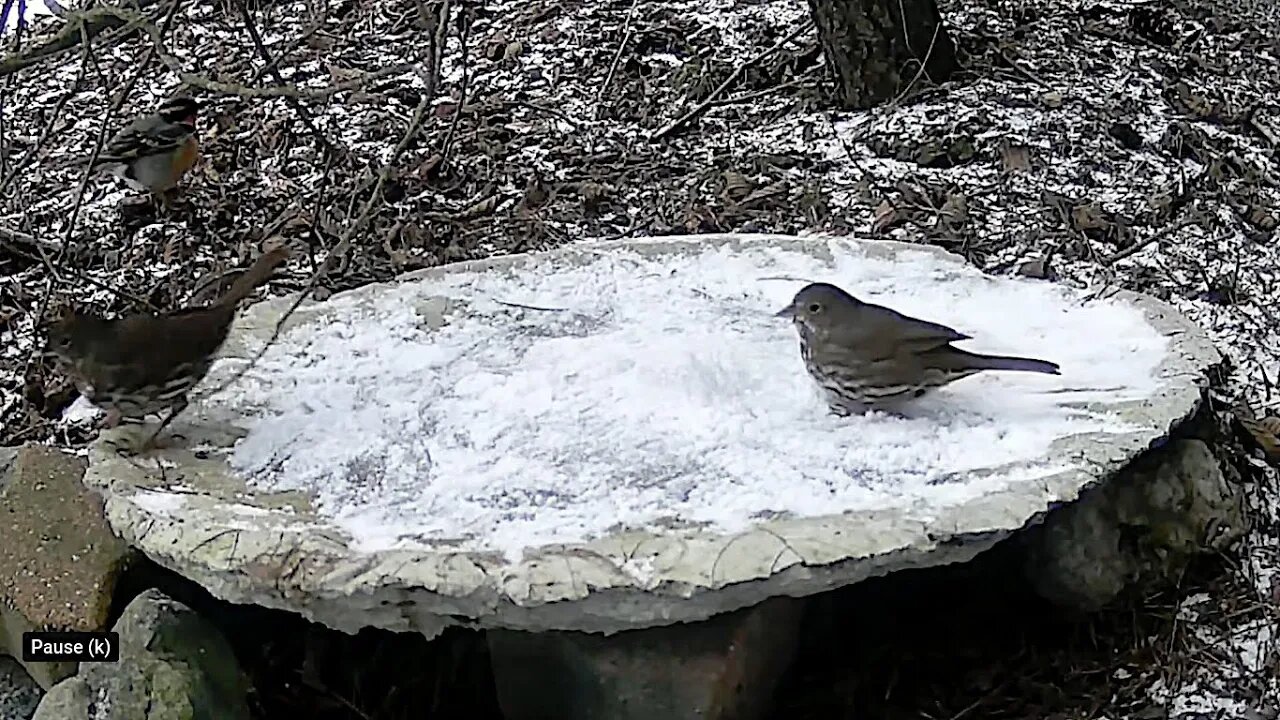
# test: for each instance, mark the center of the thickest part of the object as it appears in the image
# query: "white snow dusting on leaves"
(664, 393)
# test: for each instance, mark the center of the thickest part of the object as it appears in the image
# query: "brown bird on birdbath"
(870, 357)
(141, 364)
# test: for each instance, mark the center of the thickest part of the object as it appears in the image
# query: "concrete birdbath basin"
(615, 436)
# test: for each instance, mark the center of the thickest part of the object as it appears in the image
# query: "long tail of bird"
(257, 274)
(1007, 362)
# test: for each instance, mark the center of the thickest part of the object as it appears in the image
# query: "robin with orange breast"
(153, 152)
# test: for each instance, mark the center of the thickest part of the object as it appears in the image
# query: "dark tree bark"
(875, 48)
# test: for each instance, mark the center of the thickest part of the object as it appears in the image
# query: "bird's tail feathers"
(1005, 362)
(257, 274)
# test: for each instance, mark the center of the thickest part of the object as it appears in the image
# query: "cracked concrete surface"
(272, 549)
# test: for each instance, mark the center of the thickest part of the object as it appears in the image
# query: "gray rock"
(59, 560)
(19, 694)
(173, 666)
(1169, 506)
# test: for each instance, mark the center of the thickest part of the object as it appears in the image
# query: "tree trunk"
(876, 48)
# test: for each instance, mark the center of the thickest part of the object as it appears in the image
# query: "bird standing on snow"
(154, 151)
(141, 364)
(869, 357)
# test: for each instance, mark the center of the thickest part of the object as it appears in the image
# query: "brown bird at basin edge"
(141, 364)
(869, 357)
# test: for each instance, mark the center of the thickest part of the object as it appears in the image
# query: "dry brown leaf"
(341, 75)
(1088, 217)
(535, 192)
(1193, 102)
(886, 216)
(736, 185)
(863, 189)
(1262, 218)
(955, 211)
(495, 45)
(1266, 433)
(764, 193)
(1015, 158)
(1038, 269)
(398, 257)
(1051, 99)
(593, 194)
(319, 41)
(428, 166)
(483, 207)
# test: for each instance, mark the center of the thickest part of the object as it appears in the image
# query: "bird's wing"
(903, 331)
(145, 136)
(161, 344)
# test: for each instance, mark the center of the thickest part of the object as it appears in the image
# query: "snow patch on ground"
(660, 392)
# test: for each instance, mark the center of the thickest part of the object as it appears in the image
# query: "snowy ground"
(661, 392)
(1100, 144)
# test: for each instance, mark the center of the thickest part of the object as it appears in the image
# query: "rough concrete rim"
(588, 587)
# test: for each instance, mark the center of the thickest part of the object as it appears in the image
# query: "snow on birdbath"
(622, 434)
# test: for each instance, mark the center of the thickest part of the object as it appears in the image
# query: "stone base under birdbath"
(619, 436)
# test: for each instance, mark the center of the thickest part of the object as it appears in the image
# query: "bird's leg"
(176, 408)
(160, 201)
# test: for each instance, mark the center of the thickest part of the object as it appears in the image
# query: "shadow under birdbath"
(621, 435)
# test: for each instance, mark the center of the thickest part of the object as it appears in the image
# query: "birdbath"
(613, 436)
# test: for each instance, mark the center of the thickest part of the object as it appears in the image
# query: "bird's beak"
(786, 312)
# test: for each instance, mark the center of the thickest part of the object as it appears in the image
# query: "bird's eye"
(815, 307)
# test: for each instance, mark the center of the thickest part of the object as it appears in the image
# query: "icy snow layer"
(655, 393)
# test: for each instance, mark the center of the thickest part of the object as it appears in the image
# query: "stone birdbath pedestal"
(610, 458)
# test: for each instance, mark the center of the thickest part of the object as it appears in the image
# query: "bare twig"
(1025, 72)
(710, 99)
(290, 90)
(788, 278)
(627, 32)
(297, 42)
(528, 307)
(763, 92)
(272, 70)
(344, 243)
(17, 42)
(79, 26)
(464, 34)
(49, 124)
(438, 26)
(1156, 237)
(226, 88)
(924, 63)
(26, 239)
